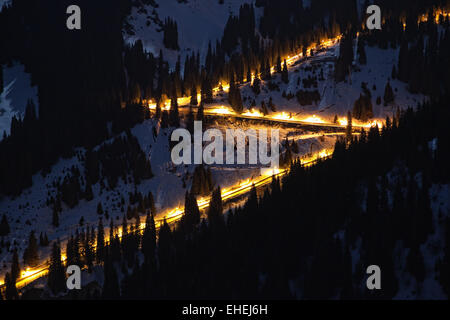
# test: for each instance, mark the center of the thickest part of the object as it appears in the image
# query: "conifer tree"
(4, 226)
(194, 100)
(388, 94)
(200, 112)
(249, 74)
(271, 105)
(190, 120)
(100, 253)
(264, 109)
(88, 194)
(15, 267)
(99, 208)
(30, 255)
(56, 274)
(348, 130)
(215, 210)
(285, 73)
(10, 288)
(165, 119)
(256, 85)
(279, 64)
(158, 110)
(191, 210)
(174, 117)
(149, 238)
(89, 255)
(151, 203)
(361, 51)
(55, 216)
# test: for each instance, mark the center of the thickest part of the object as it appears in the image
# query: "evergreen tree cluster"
(362, 108)
(306, 97)
(202, 183)
(170, 34)
(116, 159)
(223, 258)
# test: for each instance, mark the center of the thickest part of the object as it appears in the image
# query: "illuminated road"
(218, 110)
(174, 215)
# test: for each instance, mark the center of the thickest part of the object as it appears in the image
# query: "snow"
(199, 22)
(4, 3)
(29, 211)
(337, 99)
(17, 91)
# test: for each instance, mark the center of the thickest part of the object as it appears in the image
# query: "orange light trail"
(172, 216)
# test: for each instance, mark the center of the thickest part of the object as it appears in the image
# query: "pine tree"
(99, 208)
(256, 85)
(88, 248)
(158, 110)
(165, 119)
(190, 120)
(249, 74)
(4, 226)
(271, 105)
(215, 210)
(348, 130)
(174, 117)
(191, 211)
(88, 194)
(69, 251)
(149, 239)
(10, 288)
(200, 112)
(361, 51)
(264, 109)
(194, 100)
(170, 34)
(124, 227)
(30, 255)
(100, 253)
(234, 97)
(285, 73)
(151, 203)
(388, 94)
(15, 267)
(279, 64)
(55, 216)
(56, 275)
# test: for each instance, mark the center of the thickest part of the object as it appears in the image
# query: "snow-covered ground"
(17, 91)
(30, 212)
(4, 3)
(199, 22)
(337, 99)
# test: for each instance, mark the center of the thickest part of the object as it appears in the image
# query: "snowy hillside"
(336, 99)
(13, 99)
(199, 22)
(4, 3)
(31, 211)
